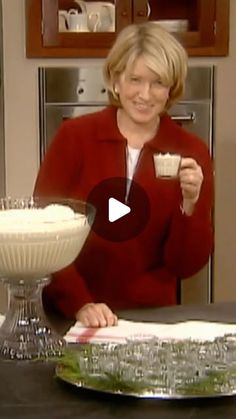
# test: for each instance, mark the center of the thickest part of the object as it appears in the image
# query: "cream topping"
(52, 217)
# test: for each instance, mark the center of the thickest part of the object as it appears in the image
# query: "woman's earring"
(116, 90)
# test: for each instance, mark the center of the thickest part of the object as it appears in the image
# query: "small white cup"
(77, 22)
(166, 165)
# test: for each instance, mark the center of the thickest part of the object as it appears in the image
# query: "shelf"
(208, 24)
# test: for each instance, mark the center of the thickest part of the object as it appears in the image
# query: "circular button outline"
(128, 226)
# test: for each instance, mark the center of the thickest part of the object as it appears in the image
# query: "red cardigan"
(142, 271)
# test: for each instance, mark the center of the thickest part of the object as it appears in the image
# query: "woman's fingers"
(191, 178)
(111, 318)
(96, 315)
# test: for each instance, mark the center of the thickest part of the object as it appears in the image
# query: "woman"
(145, 73)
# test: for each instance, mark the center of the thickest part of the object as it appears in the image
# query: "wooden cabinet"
(201, 25)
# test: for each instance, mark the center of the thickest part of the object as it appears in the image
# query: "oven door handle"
(190, 117)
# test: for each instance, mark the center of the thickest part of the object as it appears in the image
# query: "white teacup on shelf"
(77, 22)
(101, 15)
(166, 165)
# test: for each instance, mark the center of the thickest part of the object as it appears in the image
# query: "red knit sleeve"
(190, 241)
(59, 165)
(67, 291)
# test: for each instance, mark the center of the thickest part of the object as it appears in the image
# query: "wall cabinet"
(65, 28)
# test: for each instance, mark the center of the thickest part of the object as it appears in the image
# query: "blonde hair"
(161, 51)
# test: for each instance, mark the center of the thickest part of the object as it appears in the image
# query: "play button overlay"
(119, 218)
(116, 210)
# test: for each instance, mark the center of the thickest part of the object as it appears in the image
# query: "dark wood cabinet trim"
(206, 22)
(221, 45)
(140, 11)
(123, 13)
(50, 35)
(222, 29)
(33, 29)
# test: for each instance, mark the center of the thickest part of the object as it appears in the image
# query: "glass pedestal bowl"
(37, 237)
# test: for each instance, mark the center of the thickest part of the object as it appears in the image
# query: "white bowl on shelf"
(174, 25)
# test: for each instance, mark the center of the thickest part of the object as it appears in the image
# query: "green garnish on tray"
(113, 368)
(68, 369)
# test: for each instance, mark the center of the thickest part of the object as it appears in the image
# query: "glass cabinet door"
(88, 28)
(84, 23)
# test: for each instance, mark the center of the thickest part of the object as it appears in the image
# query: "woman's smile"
(142, 95)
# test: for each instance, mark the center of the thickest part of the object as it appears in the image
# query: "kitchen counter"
(29, 390)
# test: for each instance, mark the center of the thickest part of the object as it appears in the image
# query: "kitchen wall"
(22, 137)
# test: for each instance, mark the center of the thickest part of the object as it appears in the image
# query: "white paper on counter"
(193, 329)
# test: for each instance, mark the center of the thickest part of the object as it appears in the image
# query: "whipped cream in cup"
(166, 165)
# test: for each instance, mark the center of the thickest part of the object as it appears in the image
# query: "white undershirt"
(132, 155)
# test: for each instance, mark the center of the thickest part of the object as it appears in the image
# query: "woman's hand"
(96, 315)
(191, 178)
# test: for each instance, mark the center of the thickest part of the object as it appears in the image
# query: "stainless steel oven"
(71, 91)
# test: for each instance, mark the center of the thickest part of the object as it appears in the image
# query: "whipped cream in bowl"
(38, 238)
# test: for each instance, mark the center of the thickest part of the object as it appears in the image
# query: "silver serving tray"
(215, 384)
(146, 395)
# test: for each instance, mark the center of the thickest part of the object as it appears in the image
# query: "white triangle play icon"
(116, 209)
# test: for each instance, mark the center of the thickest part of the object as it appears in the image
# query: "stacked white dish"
(174, 25)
